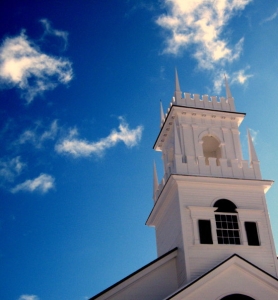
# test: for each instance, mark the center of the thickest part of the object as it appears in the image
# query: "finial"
(177, 84)
(252, 151)
(177, 93)
(228, 91)
(162, 115)
(155, 181)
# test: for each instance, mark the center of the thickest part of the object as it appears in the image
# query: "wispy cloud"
(28, 297)
(241, 77)
(218, 81)
(42, 183)
(140, 5)
(36, 138)
(238, 77)
(200, 23)
(270, 18)
(25, 66)
(49, 30)
(11, 168)
(78, 147)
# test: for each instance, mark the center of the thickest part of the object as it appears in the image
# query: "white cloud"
(28, 297)
(23, 65)
(77, 147)
(42, 184)
(49, 30)
(241, 77)
(218, 81)
(11, 168)
(32, 135)
(270, 18)
(200, 23)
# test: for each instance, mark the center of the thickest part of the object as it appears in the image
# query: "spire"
(177, 84)
(162, 115)
(177, 93)
(252, 151)
(228, 91)
(155, 181)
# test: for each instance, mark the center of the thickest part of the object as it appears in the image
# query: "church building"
(213, 233)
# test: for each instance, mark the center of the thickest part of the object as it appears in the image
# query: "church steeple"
(210, 203)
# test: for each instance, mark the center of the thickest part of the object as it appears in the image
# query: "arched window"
(226, 219)
(211, 148)
(237, 297)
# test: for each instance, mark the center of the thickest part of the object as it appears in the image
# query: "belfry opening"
(211, 148)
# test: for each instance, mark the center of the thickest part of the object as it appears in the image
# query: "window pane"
(218, 225)
(234, 218)
(227, 229)
(223, 218)
(220, 241)
(252, 234)
(205, 232)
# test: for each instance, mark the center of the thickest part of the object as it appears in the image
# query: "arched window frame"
(228, 229)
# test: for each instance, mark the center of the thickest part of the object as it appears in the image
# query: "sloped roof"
(136, 278)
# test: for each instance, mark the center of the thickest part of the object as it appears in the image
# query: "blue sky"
(80, 85)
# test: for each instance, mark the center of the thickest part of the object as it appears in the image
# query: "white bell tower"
(210, 203)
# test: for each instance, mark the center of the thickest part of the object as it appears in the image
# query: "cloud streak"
(32, 136)
(78, 147)
(11, 168)
(42, 183)
(49, 30)
(240, 77)
(200, 23)
(24, 66)
(270, 18)
(28, 297)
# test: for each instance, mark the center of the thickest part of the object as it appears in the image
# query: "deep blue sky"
(80, 86)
